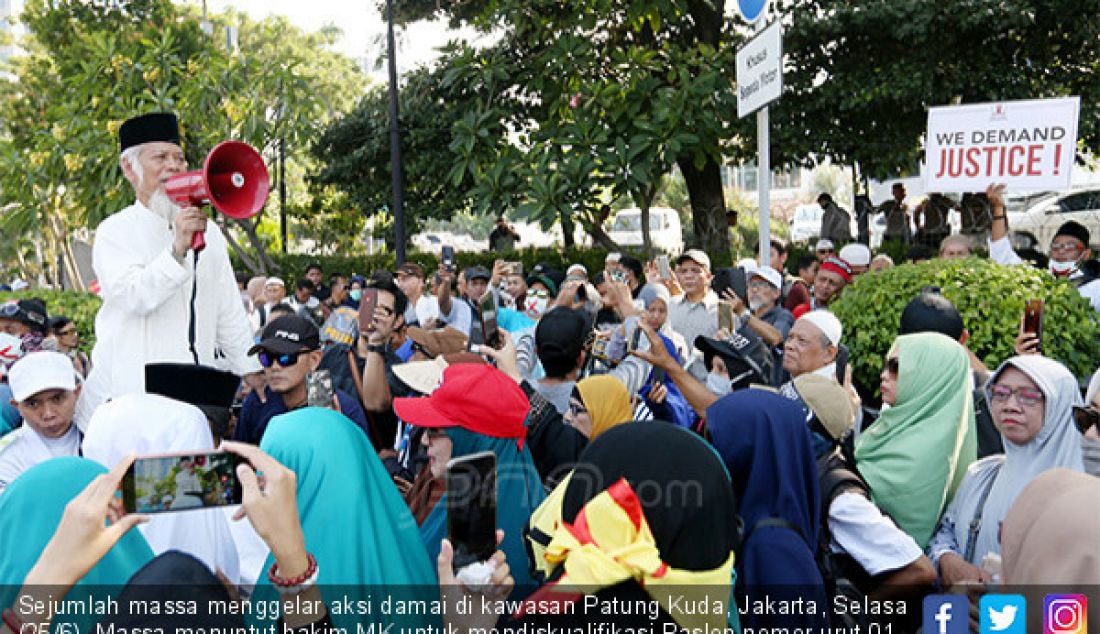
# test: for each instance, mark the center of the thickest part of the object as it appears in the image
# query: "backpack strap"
(976, 521)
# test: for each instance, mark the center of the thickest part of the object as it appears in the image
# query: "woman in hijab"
(647, 515)
(478, 408)
(146, 424)
(31, 509)
(765, 442)
(598, 403)
(1031, 399)
(353, 518)
(916, 454)
(1087, 418)
(662, 396)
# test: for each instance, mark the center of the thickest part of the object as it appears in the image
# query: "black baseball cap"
(30, 312)
(563, 331)
(478, 273)
(287, 334)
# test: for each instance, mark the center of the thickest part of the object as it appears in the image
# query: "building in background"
(11, 29)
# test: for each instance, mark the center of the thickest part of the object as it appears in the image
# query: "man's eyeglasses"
(1085, 417)
(1025, 396)
(759, 285)
(286, 360)
(1064, 247)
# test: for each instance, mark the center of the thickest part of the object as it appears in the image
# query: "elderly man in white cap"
(858, 256)
(812, 345)
(44, 389)
(694, 313)
(763, 314)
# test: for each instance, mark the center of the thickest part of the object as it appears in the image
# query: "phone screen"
(472, 507)
(841, 363)
(725, 316)
(366, 310)
(1033, 319)
(447, 252)
(663, 267)
(487, 308)
(635, 339)
(161, 484)
(319, 390)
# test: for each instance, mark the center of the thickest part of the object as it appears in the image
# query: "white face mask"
(535, 306)
(719, 383)
(1062, 269)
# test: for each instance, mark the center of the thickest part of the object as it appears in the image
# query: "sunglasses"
(286, 360)
(1085, 417)
(67, 332)
(1024, 395)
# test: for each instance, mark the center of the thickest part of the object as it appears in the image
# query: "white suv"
(1034, 227)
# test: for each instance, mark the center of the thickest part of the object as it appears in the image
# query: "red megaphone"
(233, 179)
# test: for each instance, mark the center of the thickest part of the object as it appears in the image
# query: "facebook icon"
(946, 614)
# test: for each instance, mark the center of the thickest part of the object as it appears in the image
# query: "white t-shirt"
(860, 529)
(24, 448)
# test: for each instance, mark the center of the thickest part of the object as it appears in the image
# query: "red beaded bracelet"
(282, 582)
(12, 621)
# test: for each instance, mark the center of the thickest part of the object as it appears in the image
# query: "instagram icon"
(1065, 614)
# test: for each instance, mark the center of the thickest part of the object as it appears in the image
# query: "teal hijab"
(30, 510)
(354, 520)
(519, 493)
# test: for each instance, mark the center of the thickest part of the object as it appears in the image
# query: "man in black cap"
(476, 284)
(208, 389)
(290, 349)
(161, 301)
(1070, 256)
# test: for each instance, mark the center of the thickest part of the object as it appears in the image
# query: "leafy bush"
(991, 299)
(294, 266)
(79, 307)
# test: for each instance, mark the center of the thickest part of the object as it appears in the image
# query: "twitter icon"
(1003, 614)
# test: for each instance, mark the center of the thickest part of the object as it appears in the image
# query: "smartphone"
(1033, 320)
(663, 267)
(487, 310)
(448, 255)
(732, 279)
(514, 268)
(599, 348)
(472, 507)
(582, 293)
(635, 339)
(319, 390)
(725, 316)
(618, 276)
(367, 304)
(841, 363)
(181, 482)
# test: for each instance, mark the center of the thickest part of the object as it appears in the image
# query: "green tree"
(92, 65)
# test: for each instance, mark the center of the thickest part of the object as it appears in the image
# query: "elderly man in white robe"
(44, 389)
(162, 302)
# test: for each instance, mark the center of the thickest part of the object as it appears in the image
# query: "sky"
(361, 22)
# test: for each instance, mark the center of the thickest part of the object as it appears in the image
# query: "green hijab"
(917, 452)
(354, 520)
(30, 510)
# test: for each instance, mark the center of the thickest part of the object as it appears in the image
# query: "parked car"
(664, 229)
(1034, 227)
(806, 223)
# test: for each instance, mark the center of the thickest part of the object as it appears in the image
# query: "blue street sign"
(752, 9)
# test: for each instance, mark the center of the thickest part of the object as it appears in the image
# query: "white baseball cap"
(823, 245)
(769, 274)
(614, 256)
(274, 281)
(696, 256)
(41, 371)
(855, 254)
(826, 322)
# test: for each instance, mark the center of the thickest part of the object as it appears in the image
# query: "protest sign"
(1029, 145)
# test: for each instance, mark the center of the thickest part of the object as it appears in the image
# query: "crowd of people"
(661, 430)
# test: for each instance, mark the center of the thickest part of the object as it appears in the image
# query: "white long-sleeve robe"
(146, 306)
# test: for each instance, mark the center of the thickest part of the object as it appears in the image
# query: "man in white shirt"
(45, 391)
(694, 313)
(162, 302)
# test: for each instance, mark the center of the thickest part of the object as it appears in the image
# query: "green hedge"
(294, 266)
(991, 299)
(79, 307)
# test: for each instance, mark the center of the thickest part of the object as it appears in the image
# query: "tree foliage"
(92, 65)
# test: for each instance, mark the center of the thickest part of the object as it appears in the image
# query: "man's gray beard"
(162, 205)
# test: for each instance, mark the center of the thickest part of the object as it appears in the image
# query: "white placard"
(1029, 145)
(760, 70)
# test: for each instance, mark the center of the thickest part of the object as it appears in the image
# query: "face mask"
(535, 306)
(719, 383)
(1062, 269)
(356, 294)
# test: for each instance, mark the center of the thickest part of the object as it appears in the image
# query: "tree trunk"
(645, 202)
(708, 209)
(595, 228)
(266, 265)
(566, 229)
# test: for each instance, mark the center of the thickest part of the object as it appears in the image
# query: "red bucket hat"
(478, 398)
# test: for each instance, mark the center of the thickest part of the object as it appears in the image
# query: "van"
(664, 229)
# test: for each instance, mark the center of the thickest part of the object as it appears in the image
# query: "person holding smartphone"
(458, 425)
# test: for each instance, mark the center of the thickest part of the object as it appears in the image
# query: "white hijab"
(1058, 444)
(151, 424)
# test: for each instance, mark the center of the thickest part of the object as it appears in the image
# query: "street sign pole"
(763, 176)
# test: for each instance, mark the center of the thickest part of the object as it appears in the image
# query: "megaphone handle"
(198, 241)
